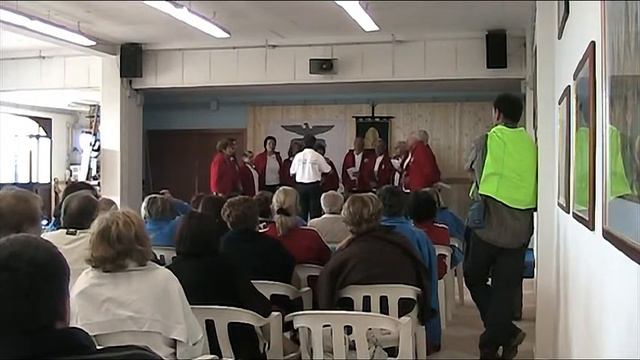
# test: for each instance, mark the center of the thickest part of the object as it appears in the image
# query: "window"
(25, 151)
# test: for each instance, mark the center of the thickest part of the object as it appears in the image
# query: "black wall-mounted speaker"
(323, 66)
(496, 49)
(130, 61)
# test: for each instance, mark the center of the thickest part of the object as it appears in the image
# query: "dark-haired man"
(34, 306)
(20, 211)
(307, 168)
(504, 166)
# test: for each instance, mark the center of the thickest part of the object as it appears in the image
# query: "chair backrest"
(222, 316)
(303, 272)
(446, 251)
(392, 292)
(311, 323)
(269, 288)
(165, 254)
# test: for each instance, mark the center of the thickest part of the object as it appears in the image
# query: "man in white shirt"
(307, 168)
(331, 225)
(72, 240)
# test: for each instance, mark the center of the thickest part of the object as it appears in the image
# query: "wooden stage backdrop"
(452, 126)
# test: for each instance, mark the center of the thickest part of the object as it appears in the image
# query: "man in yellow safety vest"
(504, 166)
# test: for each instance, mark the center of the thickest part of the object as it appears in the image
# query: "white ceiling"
(280, 22)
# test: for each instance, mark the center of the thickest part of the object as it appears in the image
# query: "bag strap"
(475, 187)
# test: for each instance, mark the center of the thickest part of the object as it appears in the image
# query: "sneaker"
(510, 351)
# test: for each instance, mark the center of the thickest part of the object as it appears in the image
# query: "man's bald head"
(79, 210)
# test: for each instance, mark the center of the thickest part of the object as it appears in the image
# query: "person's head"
(381, 147)
(413, 139)
(423, 136)
(79, 210)
(20, 211)
(227, 146)
(361, 213)
(422, 206)
(241, 213)
(197, 236)
(70, 189)
(401, 148)
(212, 204)
(507, 108)
(118, 239)
(270, 144)
(394, 201)
(196, 200)
(156, 207)
(285, 209)
(34, 278)
(358, 144)
(309, 141)
(105, 205)
(294, 148)
(247, 157)
(332, 202)
(320, 149)
(263, 202)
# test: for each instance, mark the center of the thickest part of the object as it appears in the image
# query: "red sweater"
(330, 181)
(361, 183)
(224, 179)
(384, 174)
(304, 244)
(260, 162)
(422, 170)
(439, 235)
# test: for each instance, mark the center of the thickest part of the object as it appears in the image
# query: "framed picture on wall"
(584, 139)
(621, 165)
(564, 149)
(563, 15)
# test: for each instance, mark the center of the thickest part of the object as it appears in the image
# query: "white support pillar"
(121, 135)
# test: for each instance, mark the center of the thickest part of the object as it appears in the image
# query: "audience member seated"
(394, 205)
(263, 201)
(196, 200)
(211, 206)
(105, 205)
(160, 220)
(262, 257)
(34, 306)
(125, 298)
(447, 217)
(331, 225)
(375, 254)
(422, 210)
(304, 243)
(70, 189)
(20, 211)
(178, 206)
(78, 212)
(210, 278)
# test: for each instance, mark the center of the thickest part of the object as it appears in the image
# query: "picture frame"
(563, 16)
(621, 138)
(564, 150)
(583, 160)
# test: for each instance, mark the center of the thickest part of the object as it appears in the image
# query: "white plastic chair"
(459, 270)
(311, 323)
(442, 285)
(223, 316)
(393, 293)
(268, 288)
(303, 272)
(165, 254)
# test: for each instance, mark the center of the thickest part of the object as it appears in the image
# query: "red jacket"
(247, 180)
(362, 183)
(285, 176)
(384, 174)
(330, 181)
(304, 244)
(260, 162)
(224, 179)
(422, 170)
(439, 235)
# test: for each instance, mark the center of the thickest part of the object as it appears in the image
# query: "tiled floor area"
(460, 340)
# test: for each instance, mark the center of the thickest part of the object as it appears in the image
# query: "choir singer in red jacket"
(268, 164)
(225, 179)
(422, 168)
(357, 161)
(381, 169)
(330, 181)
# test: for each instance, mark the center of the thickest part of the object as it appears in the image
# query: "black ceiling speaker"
(130, 61)
(323, 66)
(496, 49)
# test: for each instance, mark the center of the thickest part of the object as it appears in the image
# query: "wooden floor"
(460, 338)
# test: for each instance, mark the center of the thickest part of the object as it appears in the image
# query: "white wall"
(415, 60)
(50, 73)
(588, 291)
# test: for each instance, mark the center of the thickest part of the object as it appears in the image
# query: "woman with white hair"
(331, 225)
(304, 243)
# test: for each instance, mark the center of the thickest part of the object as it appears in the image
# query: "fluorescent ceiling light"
(355, 10)
(44, 28)
(186, 16)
